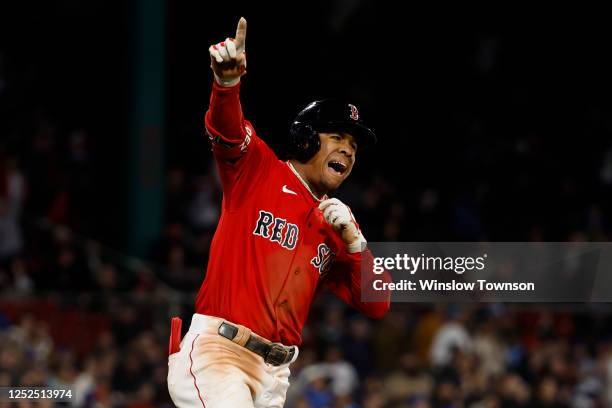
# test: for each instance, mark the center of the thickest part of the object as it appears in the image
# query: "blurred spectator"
(204, 208)
(410, 382)
(322, 383)
(390, 340)
(451, 338)
(547, 394)
(344, 380)
(489, 349)
(513, 391)
(318, 393)
(12, 195)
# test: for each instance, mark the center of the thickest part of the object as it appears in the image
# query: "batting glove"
(228, 58)
(339, 216)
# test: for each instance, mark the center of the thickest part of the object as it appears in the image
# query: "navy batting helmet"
(329, 115)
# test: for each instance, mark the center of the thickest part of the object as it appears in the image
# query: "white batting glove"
(339, 216)
(228, 59)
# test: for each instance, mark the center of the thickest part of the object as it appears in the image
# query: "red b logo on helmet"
(354, 112)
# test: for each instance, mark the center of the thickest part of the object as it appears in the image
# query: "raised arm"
(241, 156)
(225, 123)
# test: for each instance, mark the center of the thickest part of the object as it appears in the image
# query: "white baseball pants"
(211, 371)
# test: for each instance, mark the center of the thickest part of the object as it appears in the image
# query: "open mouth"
(337, 167)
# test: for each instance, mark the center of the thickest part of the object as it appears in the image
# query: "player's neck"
(302, 171)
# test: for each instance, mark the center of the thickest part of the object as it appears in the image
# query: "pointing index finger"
(241, 34)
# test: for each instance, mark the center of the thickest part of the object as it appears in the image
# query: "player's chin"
(332, 182)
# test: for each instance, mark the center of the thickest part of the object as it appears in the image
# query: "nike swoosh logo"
(286, 190)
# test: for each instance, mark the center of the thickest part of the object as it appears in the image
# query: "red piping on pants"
(191, 371)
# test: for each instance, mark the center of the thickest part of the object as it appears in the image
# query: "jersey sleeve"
(241, 155)
(346, 281)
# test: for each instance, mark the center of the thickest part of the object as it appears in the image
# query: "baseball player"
(280, 240)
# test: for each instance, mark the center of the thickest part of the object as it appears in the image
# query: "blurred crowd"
(75, 311)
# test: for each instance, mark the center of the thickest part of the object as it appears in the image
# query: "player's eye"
(335, 137)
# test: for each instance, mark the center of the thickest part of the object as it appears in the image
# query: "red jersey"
(272, 250)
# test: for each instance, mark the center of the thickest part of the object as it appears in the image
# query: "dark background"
(516, 108)
(508, 111)
(491, 125)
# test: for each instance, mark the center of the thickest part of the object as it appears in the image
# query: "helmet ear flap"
(304, 141)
